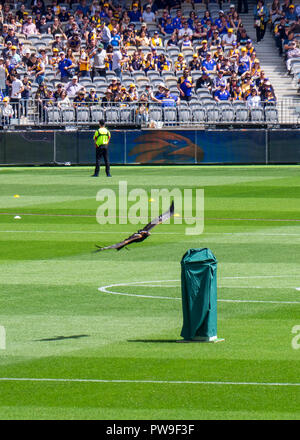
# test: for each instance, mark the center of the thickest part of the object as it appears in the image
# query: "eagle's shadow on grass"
(61, 338)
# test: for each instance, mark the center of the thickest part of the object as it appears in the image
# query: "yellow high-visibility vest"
(101, 136)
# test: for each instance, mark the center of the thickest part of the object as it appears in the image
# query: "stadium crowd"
(77, 54)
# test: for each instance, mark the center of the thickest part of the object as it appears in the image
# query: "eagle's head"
(162, 146)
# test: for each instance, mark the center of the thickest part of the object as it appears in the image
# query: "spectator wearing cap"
(255, 69)
(163, 20)
(218, 21)
(7, 111)
(229, 38)
(148, 16)
(135, 14)
(163, 64)
(215, 39)
(180, 63)
(203, 50)
(168, 27)
(261, 18)
(98, 57)
(204, 81)
(58, 91)
(29, 28)
(42, 26)
(156, 40)
(92, 96)
(195, 63)
(15, 59)
(132, 92)
(185, 86)
(209, 63)
(185, 30)
(73, 87)
(11, 36)
(222, 94)
(169, 99)
(64, 15)
(65, 67)
(108, 98)
(291, 15)
(219, 80)
(79, 100)
(6, 52)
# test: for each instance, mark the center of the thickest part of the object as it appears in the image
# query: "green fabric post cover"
(199, 294)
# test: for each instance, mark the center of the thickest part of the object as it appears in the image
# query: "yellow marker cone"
(16, 196)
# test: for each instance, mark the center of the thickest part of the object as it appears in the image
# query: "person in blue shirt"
(135, 14)
(185, 86)
(169, 100)
(291, 15)
(177, 20)
(115, 38)
(209, 63)
(64, 66)
(222, 94)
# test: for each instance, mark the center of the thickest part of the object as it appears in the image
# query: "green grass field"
(73, 351)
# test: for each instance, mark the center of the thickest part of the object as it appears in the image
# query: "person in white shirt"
(29, 28)
(229, 38)
(7, 111)
(117, 63)
(99, 56)
(253, 99)
(17, 88)
(148, 16)
(185, 30)
(72, 88)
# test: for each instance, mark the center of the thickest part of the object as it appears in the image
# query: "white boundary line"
(104, 289)
(141, 381)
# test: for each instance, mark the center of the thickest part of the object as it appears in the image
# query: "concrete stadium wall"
(153, 147)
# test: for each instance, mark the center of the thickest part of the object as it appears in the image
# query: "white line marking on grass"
(141, 381)
(155, 283)
(147, 218)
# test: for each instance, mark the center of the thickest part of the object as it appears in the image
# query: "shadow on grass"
(61, 338)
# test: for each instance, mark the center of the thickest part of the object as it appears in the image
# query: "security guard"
(101, 139)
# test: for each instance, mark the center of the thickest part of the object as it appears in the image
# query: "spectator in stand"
(219, 80)
(180, 63)
(148, 15)
(261, 18)
(65, 67)
(229, 38)
(25, 94)
(292, 51)
(156, 40)
(185, 30)
(253, 99)
(92, 97)
(7, 111)
(169, 99)
(11, 36)
(58, 43)
(16, 92)
(74, 42)
(38, 68)
(209, 64)
(291, 15)
(3, 74)
(135, 14)
(163, 65)
(79, 99)
(242, 37)
(185, 86)
(222, 94)
(204, 82)
(29, 28)
(99, 61)
(73, 87)
(203, 50)
(195, 63)
(63, 101)
(142, 39)
(15, 59)
(84, 65)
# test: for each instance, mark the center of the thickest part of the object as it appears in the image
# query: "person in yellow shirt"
(84, 64)
(101, 140)
(180, 63)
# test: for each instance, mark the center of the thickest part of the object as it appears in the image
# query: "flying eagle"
(141, 234)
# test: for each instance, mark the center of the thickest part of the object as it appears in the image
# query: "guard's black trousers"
(102, 152)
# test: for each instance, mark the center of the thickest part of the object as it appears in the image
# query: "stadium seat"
(125, 114)
(271, 114)
(68, 114)
(170, 115)
(112, 115)
(241, 113)
(213, 113)
(97, 113)
(184, 114)
(53, 115)
(82, 114)
(155, 113)
(257, 114)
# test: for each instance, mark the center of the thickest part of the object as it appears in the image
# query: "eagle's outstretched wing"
(160, 219)
(142, 234)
